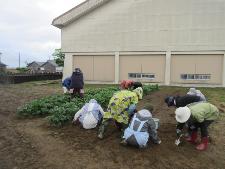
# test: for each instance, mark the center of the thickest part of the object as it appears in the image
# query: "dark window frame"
(142, 76)
(195, 76)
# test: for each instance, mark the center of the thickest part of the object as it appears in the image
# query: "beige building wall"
(152, 64)
(104, 68)
(139, 26)
(68, 65)
(148, 25)
(96, 68)
(197, 64)
(86, 64)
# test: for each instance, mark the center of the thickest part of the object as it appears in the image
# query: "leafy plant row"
(60, 109)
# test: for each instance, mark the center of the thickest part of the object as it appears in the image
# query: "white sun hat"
(182, 114)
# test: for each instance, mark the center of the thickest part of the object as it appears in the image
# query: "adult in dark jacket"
(77, 83)
(181, 101)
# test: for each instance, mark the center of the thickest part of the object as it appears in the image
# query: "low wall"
(20, 78)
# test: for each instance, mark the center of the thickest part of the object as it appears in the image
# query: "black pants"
(77, 91)
(203, 127)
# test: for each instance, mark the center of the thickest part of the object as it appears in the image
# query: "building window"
(195, 76)
(147, 76)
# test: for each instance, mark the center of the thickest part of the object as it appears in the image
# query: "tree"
(59, 57)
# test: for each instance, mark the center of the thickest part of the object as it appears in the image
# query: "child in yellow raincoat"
(120, 108)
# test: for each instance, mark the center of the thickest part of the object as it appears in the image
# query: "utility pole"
(19, 60)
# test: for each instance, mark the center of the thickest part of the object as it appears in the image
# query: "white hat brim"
(184, 118)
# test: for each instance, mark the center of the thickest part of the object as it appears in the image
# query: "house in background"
(2, 67)
(35, 67)
(51, 67)
(167, 42)
(44, 67)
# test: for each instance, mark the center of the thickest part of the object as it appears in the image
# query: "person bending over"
(89, 115)
(120, 109)
(196, 115)
(181, 101)
(142, 128)
(77, 83)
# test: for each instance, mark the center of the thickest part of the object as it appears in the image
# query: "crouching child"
(90, 115)
(196, 116)
(66, 85)
(142, 128)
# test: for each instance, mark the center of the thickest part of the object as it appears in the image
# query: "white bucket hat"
(182, 114)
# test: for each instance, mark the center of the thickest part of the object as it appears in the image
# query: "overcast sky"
(25, 28)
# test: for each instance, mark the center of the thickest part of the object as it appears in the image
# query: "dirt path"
(31, 143)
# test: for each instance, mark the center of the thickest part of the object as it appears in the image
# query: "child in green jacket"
(196, 115)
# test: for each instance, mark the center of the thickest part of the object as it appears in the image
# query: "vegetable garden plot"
(60, 109)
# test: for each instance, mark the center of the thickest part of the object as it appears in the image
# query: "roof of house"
(52, 62)
(76, 12)
(2, 64)
(39, 63)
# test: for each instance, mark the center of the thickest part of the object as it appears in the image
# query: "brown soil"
(31, 143)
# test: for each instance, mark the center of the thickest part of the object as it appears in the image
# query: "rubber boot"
(101, 131)
(203, 145)
(193, 138)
